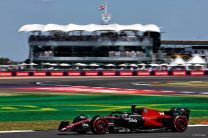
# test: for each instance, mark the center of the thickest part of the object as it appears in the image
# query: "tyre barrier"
(105, 73)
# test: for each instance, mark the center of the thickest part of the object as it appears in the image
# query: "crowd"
(101, 37)
(126, 54)
(132, 67)
(43, 54)
(12, 68)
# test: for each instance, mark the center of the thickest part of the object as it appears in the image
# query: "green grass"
(32, 107)
(42, 111)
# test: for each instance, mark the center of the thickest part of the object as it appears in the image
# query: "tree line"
(5, 61)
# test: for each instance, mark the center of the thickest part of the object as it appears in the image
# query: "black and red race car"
(138, 120)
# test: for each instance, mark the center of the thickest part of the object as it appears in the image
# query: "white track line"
(198, 125)
(17, 131)
(204, 93)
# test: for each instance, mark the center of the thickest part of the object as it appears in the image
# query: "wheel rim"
(180, 124)
(100, 126)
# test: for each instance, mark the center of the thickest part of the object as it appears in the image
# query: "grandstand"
(112, 43)
(186, 48)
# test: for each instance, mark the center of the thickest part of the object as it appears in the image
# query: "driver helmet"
(125, 115)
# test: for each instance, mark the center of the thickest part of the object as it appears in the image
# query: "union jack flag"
(102, 7)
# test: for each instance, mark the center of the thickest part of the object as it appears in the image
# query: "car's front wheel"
(99, 125)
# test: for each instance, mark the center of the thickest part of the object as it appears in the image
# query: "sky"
(178, 19)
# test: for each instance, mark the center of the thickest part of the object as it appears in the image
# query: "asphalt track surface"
(191, 132)
(112, 82)
(115, 82)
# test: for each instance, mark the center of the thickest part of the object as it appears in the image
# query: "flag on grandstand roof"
(102, 7)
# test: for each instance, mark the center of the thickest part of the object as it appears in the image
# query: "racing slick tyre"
(98, 125)
(179, 124)
(82, 128)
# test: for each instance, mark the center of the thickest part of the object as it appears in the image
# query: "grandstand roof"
(88, 28)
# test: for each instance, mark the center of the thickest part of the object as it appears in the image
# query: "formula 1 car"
(139, 119)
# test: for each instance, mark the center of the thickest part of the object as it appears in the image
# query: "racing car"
(137, 120)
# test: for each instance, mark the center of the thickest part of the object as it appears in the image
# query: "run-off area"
(43, 106)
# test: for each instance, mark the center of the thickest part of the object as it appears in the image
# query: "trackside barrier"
(179, 73)
(143, 73)
(161, 73)
(106, 73)
(39, 74)
(91, 73)
(5, 74)
(109, 73)
(126, 73)
(57, 73)
(74, 73)
(22, 74)
(197, 72)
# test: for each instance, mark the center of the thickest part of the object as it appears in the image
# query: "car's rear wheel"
(98, 125)
(180, 124)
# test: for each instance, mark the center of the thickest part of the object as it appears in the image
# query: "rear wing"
(178, 111)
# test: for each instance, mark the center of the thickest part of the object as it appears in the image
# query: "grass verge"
(35, 111)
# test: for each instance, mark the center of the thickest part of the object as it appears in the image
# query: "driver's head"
(125, 115)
